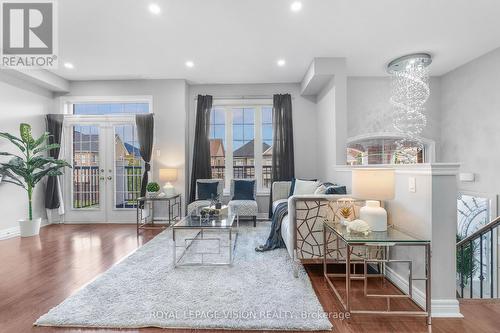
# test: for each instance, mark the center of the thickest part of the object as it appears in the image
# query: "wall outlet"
(412, 185)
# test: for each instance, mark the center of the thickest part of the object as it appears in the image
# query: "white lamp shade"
(374, 184)
(168, 175)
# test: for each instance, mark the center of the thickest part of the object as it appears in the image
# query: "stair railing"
(466, 252)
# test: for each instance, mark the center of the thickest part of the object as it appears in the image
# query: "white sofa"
(302, 227)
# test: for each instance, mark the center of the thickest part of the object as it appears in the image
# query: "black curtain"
(201, 153)
(283, 168)
(145, 134)
(54, 123)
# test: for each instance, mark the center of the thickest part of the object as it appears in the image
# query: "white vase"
(30, 228)
(374, 215)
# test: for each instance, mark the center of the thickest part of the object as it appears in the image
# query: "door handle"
(109, 177)
(101, 178)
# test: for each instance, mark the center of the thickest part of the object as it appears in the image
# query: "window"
(110, 108)
(384, 150)
(218, 142)
(241, 143)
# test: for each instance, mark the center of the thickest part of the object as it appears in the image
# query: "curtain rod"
(242, 97)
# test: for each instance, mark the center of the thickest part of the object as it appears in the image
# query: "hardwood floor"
(37, 273)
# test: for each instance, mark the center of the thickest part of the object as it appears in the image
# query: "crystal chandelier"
(410, 91)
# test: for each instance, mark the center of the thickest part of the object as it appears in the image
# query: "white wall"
(20, 102)
(470, 108)
(325, 123)
(369, 110)
(169, 106)
(331, 121)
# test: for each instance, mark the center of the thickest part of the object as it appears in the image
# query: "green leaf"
(6, 154)
(42, 139)
(16, 141)
(51, 171)
(7, 175)
(39, 162)
(13, 182)
(47, 147)
(25, 131)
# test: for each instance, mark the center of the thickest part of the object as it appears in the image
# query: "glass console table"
(173, 205)
(341, 246)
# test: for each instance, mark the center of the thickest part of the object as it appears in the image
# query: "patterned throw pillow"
(320, 190)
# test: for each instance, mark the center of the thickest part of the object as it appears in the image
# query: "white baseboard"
(103, 222)
(15, 231)
(446, 308)
(440, 308)
(9, 233)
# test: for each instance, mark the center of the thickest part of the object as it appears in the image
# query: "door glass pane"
(86, 167)
(128, 166)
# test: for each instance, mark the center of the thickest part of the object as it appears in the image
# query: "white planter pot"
(30, 228)
(152, 194)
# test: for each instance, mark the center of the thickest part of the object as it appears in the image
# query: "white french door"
(105, 179)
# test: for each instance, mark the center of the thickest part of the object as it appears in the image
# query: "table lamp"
(167, 176)
(373, 185)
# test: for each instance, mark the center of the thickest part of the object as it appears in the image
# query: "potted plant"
(28, 169)
(153, 189)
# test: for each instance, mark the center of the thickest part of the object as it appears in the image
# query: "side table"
(174, 211)
(339, 247)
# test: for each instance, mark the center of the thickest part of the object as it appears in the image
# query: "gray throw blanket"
(275, 241)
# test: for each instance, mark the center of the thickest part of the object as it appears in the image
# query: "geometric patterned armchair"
(243, 208)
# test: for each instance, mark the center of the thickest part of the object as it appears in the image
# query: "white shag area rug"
(258, 292)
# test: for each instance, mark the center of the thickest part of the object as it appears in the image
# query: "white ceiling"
(239, 41)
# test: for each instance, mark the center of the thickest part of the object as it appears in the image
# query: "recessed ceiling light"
(154, 8)
(189, 64)
(281, 62)
(69, 65)
(296, 6)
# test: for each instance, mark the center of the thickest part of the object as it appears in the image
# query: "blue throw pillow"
(207, 191)
(243, 190)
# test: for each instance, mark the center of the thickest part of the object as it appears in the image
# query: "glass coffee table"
(208, 241)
